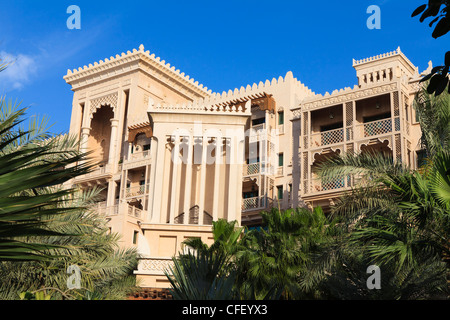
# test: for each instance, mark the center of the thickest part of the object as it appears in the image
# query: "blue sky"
(222, 44)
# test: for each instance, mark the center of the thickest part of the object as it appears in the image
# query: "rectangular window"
(258, 121)
(280, 192)
(281, 118)
(280, 159)
(252, 194)
(135, 237)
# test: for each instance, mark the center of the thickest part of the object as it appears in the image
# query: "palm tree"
(45, 224)
(29, 164)
(201, 276)
(226, 235)
(276, 255)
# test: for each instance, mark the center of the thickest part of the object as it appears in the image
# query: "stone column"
(187, 186)
(174, 183)
(239, 172)
(296, 173)
(112, 145)
(85, 131)
(130, 147)
(201, 206)
(110, 201)
(217, 165)
(233, 181)
(151, 186)
(159, 165)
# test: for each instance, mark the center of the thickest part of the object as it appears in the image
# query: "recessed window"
(280, 159)
(281, 118)
(135, 237)
(280, 192)
(258, 121)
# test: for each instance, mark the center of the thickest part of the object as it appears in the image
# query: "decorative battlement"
(233, 100)
(135, 55)
(397, 52)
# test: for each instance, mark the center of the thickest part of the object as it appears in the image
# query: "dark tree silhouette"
(440, 10)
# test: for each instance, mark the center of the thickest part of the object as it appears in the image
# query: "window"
(280, 159)
(281, 118)
(146, 147)
(135, 237)
(280, 192)
(252, 194)
(258, 121)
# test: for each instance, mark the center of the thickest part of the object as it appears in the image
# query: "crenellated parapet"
(132, 60)
(394, 53)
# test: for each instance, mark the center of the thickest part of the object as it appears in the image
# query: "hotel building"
(174, 156)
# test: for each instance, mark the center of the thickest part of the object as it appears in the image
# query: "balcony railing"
(280, 171)
(253, 203)
(327, 138)
(135, 191)
(139, 155)
(259, 127)
(154, 266)
(336, 184)
(375, 128)
(103, 210)
(253, 168)
(99, 171)
(135, 212)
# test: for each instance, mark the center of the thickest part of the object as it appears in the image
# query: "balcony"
(103, 210)
(154, 266)
(334, 185)
(327, 138)
(139, 155)
(137, 159)
(375, 128)
(255, 203)
(251, 169)
(135, 212)
(134, 191)
(101, 172)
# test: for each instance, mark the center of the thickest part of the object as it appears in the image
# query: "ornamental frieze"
(358, 94)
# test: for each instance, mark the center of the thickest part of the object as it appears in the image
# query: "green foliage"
(273, 257)
(201, 276)
(45, 224)
(439, 9)
(26, 168)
